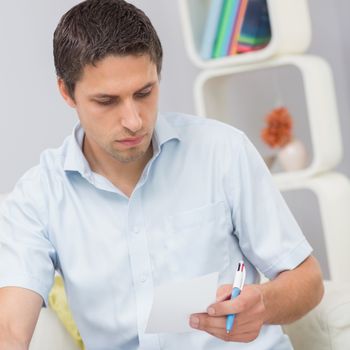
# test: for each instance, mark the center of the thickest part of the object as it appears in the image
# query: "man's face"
(116, 101)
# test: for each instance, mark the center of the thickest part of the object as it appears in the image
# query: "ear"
(64, 93)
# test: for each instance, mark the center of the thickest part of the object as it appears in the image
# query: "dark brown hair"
(94, 29)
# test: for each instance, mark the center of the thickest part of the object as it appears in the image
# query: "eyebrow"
(102, 95)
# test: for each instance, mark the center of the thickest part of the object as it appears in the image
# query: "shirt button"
(136, 230)
(143, 278)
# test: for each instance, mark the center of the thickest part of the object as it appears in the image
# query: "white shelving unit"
(211, 89)
(290, 28)
(215, 85)
(333, 194)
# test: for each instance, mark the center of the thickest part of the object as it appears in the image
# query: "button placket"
(143, 278)
(141, 270)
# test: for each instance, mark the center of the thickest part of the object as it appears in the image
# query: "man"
(134, 199)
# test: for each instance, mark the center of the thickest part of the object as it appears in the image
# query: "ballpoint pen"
(236, 291)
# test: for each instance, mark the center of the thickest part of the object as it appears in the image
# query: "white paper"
(174, 303)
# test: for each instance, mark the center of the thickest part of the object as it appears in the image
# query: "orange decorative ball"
(278, 131)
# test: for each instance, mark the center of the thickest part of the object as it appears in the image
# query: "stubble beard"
(130, 155)
(127, 158)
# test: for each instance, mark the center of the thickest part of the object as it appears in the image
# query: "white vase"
(293, 156)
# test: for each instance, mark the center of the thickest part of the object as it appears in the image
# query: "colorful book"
(256, 25)
(241, 48)
(247, 40)
(230, 29)
(237, 27)
(211, 24)
(223, 25)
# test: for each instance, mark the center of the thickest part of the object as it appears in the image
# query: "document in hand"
(174, 303)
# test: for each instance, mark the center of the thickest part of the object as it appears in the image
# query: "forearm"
(13, 337)
(8, 342)
(20, 308)
(293, 293)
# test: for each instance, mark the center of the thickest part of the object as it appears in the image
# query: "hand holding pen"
(248, 308)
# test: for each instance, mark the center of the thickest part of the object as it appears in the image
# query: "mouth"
(131, 141)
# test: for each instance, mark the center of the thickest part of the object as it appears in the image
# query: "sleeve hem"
(289, 260)
(26, 283)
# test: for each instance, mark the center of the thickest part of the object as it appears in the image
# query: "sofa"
(325, 327)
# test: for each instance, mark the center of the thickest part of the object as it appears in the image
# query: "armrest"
(328, 325)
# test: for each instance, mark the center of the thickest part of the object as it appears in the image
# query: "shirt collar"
(163, 132)
(76, 161)
(74, 157)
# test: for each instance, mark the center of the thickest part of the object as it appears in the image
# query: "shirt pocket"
(198, 238)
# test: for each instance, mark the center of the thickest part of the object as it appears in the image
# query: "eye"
(143, 93)
(104, 102)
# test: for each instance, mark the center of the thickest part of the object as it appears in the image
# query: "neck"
(123, 175)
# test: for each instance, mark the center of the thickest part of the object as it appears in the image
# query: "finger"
(249, 297)
(239, 332)
(204, 322)
(216, 326)
(224, 292)
(227, 307)
(243, 337)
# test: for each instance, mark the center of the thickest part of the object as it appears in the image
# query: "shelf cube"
(290, 31)
(332, 191)
(232, 94)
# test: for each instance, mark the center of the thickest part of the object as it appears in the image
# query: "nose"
(131, 119)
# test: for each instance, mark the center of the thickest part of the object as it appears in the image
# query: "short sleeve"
(27, 257)
(268, 234)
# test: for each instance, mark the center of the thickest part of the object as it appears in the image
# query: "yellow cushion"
(58, 303)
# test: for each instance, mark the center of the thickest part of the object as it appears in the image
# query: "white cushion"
(328, 325)
(50, 333)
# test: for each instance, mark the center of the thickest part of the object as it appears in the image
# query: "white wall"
(330, 25)
(34, 117)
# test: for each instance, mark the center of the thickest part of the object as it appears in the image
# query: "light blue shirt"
(204, 201)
